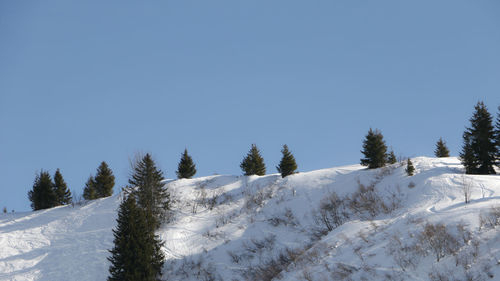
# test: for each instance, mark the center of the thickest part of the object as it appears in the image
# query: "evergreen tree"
(104, 181)
(149, 190)
(441, 149)
(42, 195)
(136, 254)
(391, 157)
(374, 149)
(89, 192)
(63, 194)
(253, 163)
(287, 165)
(186, 168)
(467, 155)
(479, 150)
(410, 170)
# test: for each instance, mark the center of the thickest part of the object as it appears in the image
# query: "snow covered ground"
(263, 228)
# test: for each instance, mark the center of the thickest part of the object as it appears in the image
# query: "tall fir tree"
(391, 157)
(374, 149)
(287, 165)
(253, 163)
(479, 150)
(104, 181)
(410, 169)
(89, 191)
(42, 196)
(136, 254)
(186, 168)
(149, 190)
(63, 194)
(441, 149)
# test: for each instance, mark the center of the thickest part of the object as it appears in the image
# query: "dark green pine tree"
(104, 181)
(149, 190)
(374, 149)
(136, 254)
(287, 165)
(467, 155)
(479, 150)
(441, 149)
(253, 163)
(410, 170)
(186, 168)
(63, 194)
(391, 157)
(42, 195)
(89, 192)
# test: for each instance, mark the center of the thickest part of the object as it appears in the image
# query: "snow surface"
(251, 220)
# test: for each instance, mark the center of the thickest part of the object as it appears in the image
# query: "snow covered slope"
(263, 228)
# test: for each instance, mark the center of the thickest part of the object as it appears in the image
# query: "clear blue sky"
(87, 81)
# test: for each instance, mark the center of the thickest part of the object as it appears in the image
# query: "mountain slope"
(260, 228)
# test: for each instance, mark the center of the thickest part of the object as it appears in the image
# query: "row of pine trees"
(480, 153)
(47, 193)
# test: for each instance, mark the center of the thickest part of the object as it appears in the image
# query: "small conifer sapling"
(253, 163)
(89, 191)
(104, 181)
(287, 165)
(410, 170)
(391, 157)
(63, 194)
(42, 196)
(186, 168)
(441, 149)
(374, 149)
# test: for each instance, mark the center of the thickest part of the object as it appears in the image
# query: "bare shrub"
(333, 211)
(437, 239)
(286, 219)
(256, 199)
(197, 269)
(224, 219)
(439, 276)
(274, 267)
(79, 201)
(257, 246)
(343, 271)
(307, 275)
(366, 202)
(214, 235)
(466, 188)
(411, 185)
(235, 258)
(464, 233)
(490, 219)
(404, 255)
(200, 199)
(465, 259)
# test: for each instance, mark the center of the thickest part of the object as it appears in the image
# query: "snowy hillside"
(263, 228)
